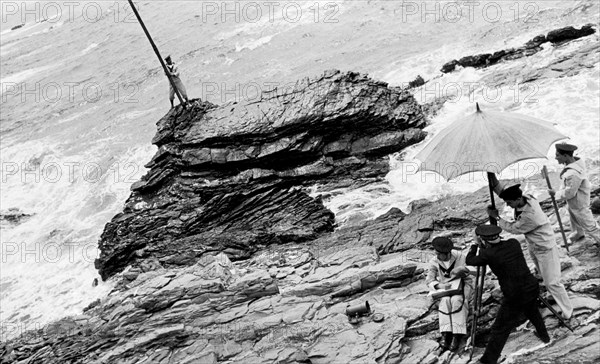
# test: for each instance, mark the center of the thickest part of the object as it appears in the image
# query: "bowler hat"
(488, 231)
(564, 147)
(512, 193)
(442, 244)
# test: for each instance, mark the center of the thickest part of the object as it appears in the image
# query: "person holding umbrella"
(518, 285)
(576, 191)
(531, 221)
(452, 310)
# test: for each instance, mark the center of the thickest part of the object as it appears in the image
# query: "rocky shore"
(287, 303)
(221, 256)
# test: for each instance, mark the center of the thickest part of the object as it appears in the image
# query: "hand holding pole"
(562, 231)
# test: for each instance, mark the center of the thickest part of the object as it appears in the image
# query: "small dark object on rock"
(595, 205)
(419, 81)
(95, 282)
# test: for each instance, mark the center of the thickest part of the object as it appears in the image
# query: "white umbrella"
(487, 141)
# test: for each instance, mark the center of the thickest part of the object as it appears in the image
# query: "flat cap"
(442, 244)
(564, 147)
(512, 193)
(488, 230)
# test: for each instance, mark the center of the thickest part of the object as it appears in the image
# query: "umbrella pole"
(492, 220)
(562, 231)
(480, 277)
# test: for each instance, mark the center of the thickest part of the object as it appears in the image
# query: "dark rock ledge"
(226, 178)
(555, 37)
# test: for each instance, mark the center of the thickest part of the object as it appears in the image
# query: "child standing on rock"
(447, 266)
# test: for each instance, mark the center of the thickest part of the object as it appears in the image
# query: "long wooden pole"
(562, 230)
(480, 277)
(137, 15)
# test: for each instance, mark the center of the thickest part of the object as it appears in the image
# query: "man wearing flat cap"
(519, 288)
(449, 265)
(575, 190)
(531, 221)
(174, 73)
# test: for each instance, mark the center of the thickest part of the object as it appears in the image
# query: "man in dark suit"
(518, 285)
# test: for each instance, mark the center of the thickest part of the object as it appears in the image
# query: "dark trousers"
(506, 321)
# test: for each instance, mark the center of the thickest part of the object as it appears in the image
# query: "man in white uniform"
(531, 221)
(575, 190)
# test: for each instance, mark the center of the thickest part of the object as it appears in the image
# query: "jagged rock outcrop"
(287, 303)
(556, 37)
(225, 178)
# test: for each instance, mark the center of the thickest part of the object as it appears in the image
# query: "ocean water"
(82, 92)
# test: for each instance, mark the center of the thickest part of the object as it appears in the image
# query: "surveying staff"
(576, 191)
(452, 310)
(518, 285)
(531, 221)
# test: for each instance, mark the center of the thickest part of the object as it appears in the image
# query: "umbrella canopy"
(487, 141)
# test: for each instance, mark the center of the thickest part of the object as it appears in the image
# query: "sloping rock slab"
(226, 178)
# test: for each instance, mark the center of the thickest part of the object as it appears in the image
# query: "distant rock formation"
(12, 217)
(555, 37)
(226, 178)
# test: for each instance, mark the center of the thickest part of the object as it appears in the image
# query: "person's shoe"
(446, 340)
(573, 237)
(572, 321)
(545, 338)
(456, 340)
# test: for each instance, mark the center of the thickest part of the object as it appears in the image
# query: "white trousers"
(583, 222)
(547, 263)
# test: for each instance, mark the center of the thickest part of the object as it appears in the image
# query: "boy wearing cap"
(174, 72)
(531, 221)
(519, 288)
(452, 310)
(576, 191)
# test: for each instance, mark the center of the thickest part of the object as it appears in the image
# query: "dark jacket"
(508, 264)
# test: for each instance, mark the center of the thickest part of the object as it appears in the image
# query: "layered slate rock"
(230, 178)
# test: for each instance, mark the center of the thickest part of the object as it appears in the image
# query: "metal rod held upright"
(164, 66)
(562, 230)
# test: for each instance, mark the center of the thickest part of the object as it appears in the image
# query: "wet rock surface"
(184, 295)
(555, 37)
(287, 303)
(227, 178)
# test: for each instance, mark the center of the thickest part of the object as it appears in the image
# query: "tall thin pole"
(481, 271)
(562, 230)
(137, 15)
